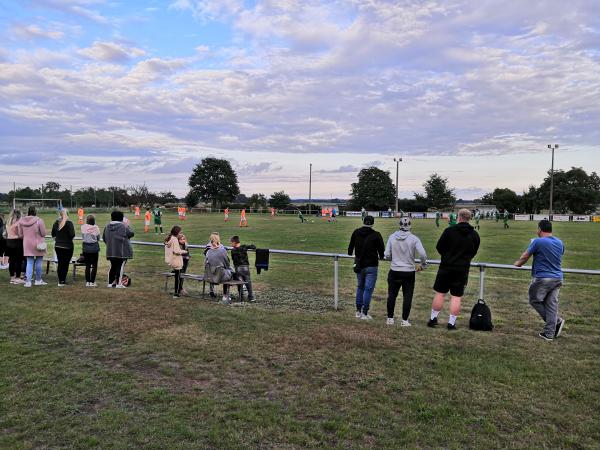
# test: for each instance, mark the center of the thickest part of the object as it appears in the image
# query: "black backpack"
(481, 317)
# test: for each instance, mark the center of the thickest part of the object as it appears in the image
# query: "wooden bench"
(198, 278)
(73, 263)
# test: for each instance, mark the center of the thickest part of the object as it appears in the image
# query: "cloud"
(32, 32)
(342, 169)
(111, 52)
(77, 8)
(257, 169)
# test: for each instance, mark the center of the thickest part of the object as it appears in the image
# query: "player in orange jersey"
(80, 215)
(147, 219)
(137, 211)
(226, 212)
(272, 212)
(184, 212)
(243, 220)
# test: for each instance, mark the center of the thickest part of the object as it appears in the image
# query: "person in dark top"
(457, 246)
(63, 233)
(239, 255)
(368, 248)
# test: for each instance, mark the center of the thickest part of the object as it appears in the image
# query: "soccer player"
(147, 218)
(157, 213)
(477, 219)
(137, 212)
(505, 218)
(226, 213)
(243, 220)
(452, 220)
(184, 212)
(300, 216)
(437, 218)
(272, 212)
(80, 215)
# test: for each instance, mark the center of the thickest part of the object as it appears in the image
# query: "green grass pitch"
(85, 368)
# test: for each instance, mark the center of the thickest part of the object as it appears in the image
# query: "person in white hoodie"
(90, 234)
(402, 247)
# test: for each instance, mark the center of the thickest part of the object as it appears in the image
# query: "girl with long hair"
(14, 246)
(63, 233)
(174, 257)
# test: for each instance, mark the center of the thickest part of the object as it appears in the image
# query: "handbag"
(41, 246)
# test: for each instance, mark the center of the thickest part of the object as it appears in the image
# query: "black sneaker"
(545, 337)
(432, 323)
(559, 327)
(451, 327)
(213, 295)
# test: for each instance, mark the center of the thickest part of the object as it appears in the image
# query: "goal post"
(52, 202)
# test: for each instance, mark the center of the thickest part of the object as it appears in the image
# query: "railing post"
(336, 282)
(481, 281)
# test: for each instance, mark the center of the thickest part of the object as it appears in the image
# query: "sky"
(101, 92)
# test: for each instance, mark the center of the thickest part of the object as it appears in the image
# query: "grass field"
(83, 368)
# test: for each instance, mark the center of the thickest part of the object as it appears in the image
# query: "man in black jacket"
(457, 246)
(367, 246)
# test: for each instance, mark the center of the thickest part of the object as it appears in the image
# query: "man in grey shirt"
(402, 247)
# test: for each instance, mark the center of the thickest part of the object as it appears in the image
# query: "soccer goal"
(52, 203)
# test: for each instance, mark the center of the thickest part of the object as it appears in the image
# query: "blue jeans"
(365, 285)
(31, 261)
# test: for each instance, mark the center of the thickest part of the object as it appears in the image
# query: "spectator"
(174, 257)
(3, 249)
(14, 245)
(63, 233)
(368, 248)
(547, 276)
(239, 255)
(457, 245)
(217, 267)
(402, 247)
(183, 244)
(33, 232)
(90, 233)
(116, 236)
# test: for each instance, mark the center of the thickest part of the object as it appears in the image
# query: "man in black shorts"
(457, 246)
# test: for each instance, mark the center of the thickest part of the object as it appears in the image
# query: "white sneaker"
(109, 285)
(87, 284)
(120, 286)
(18, 281)
(27, 284)
(405, 323)
(62, 284)
(93, 285)
(390, 321)
(366, 317)
(358, 314)
(40, 283)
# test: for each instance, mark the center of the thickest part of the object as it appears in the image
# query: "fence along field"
(87, 367)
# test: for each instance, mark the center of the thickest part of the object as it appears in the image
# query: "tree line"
(575, 191)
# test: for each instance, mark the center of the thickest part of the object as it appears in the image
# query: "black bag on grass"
(481, 317)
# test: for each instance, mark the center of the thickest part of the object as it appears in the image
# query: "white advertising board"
(540, 216)
(353, 213)
(581, 218)
(560, 218)
(431, 215)
(522, 217)
(418, 215)
(373, 213)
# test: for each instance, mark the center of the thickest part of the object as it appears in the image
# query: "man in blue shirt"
(547, 252)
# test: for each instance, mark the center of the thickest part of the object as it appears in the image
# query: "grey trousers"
(243, 274)
(543, 297)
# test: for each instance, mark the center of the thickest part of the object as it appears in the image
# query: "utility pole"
(397, 161)
(555, 147)
(309, 189)
(14, 195)
(71, 193)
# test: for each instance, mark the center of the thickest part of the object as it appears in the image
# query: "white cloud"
(31, 32)
(110, 52)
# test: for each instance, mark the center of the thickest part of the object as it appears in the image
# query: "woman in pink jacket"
(32, 230)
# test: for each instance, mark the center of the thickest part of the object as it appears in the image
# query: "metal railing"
(337, 256)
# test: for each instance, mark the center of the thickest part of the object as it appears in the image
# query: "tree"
(574, 191)
(191, 199)
(437, 193)
(167, 197)
(373, 190)
(502, 198)
(530, 201)
(51, 186)
(214, 180)
(258, 201)
(279, 200)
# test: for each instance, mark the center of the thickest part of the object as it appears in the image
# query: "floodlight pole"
(14, 195)
(397, 160)
(551, 147)
(309, 189)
